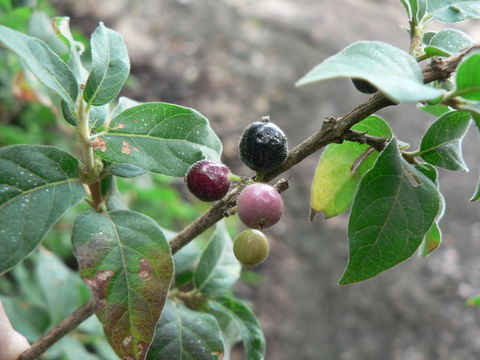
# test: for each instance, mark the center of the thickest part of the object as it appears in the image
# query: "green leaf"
(390, 69)
(341, 168)
(126, 170)
(218, 268)
(110, 66)
(473, 301)
(111, 195)
(441, 144)
(62, 289)
(185, 261)
(450, 11)
(476, 195)
(393, 209)
(230, 331)
(40, 27)
(160, 137)
(433, 238)
(186, 334)
(6, 5)
(246, 322)
(42, 62)
(38, 184)
(415, 9)
(448, 42)
(468, 77)
(431, 242)
(61, 26)
(126, 261)
(427, 37)
(28, 319)
(435, 110)
(123, 104)
(96, 116)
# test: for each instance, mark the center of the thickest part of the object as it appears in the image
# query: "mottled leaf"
(393, 209)
(159, 137)
(431, 242)
(38, 184)
(341, 168)
(218, 268)
(186, 334)
(126, 261)
(390, 69)
(110, 66)
(42, 62)
(441, 144)
(246, 322)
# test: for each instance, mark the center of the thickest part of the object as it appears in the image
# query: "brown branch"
(333, 130)
(441, 69)
(59, 331)
(378, 143)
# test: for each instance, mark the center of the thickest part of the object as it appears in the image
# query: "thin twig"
(59, 331)
(333, 130)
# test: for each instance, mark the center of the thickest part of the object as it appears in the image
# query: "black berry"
(259, 206)
(263, 146)
(364, 86)
(251, 247)
(208, 180)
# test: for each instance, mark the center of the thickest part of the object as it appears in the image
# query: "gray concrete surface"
(236, 60)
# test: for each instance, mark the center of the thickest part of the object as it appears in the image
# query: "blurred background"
(235, 61)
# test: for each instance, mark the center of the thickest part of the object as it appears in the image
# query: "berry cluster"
(263, 148)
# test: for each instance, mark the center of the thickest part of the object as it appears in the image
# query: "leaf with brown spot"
(166, 138)
(127, 263)
(125, 147)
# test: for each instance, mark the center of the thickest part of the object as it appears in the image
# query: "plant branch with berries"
(124, 256)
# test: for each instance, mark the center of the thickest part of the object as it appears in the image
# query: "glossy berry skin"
(251, 247)
(259, 206)
(263, 146)
(208, 180)
(364, 86)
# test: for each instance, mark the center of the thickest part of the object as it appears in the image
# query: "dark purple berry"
(208, 180)
(263, 146)
(259, 206)
(364, 86)
(251, 247)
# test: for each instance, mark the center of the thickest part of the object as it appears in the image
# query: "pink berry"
(259, 206)
(208, 180)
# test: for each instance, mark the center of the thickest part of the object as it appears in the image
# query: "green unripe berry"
(251, 247)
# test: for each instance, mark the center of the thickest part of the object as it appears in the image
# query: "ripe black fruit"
(251, 247)
(208, 180)
(263, 146)
(364, 86)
